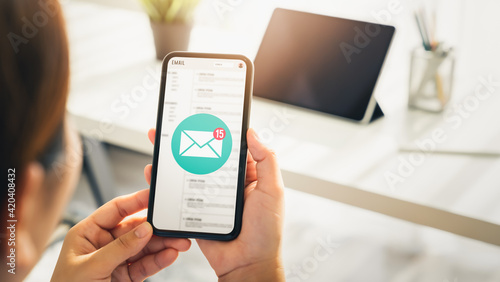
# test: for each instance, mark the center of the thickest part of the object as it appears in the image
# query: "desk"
(114, 95)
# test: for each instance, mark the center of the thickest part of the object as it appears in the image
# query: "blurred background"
(411, 197)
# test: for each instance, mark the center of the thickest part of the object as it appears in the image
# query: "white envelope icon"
(200, 144)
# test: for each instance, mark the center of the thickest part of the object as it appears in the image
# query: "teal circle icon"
(201, 144)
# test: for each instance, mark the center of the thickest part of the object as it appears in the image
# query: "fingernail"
(142, 230)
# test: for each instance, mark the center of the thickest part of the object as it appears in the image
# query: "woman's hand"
(108, 246)
(256, 254)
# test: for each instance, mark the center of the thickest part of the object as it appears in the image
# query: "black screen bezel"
(243, 149)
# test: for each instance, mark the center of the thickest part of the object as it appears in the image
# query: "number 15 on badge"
(219, 133)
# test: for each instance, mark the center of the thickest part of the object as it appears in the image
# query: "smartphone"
(200, 150)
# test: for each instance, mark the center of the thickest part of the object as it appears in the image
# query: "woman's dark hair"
(34, 78)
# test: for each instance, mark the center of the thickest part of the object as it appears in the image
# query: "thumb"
(269, 177)
(122, 248)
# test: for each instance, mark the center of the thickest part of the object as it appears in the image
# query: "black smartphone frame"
(243, 149)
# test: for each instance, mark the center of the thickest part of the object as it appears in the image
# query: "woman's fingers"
(147, 173)
(157, 244)
(101, 237)
(115, 253)
(148, 168)
(251, 174)
(268, 172)
(114, 211)
(151, 135)
(126, 225)
(152, 264)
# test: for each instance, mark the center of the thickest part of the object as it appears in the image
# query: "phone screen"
(200, 151)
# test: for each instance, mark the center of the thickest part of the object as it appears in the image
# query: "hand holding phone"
(201, 175)
(199, 160)
(256, 252)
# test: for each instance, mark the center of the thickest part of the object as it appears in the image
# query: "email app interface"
(197, 173)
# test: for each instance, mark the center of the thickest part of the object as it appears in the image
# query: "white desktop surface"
(114, 96)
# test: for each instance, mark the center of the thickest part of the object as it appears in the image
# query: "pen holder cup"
(431, 78)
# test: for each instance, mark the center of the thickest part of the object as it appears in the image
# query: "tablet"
(322, 63)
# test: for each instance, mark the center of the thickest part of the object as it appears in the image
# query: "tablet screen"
(322, 63)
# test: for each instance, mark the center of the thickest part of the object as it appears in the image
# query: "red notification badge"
(219, 133)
